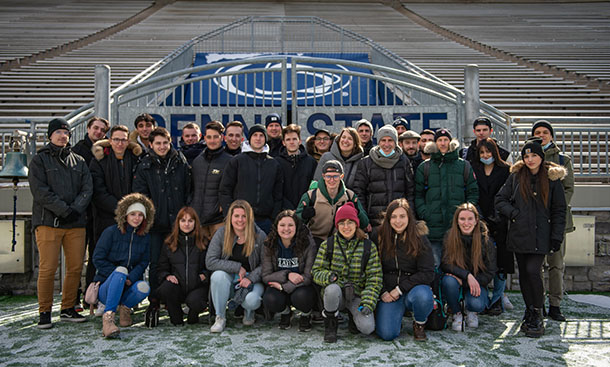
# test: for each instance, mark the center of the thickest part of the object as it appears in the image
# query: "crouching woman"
(347, 267)
(408, 269)
(121, 255)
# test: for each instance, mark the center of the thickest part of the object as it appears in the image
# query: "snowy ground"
(582, 341)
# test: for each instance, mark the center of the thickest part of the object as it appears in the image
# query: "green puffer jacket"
(446, 190)
(367, 285)
(551, 154)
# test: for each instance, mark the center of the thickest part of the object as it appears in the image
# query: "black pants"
(303, 299)
(172, 295)
(530, 281)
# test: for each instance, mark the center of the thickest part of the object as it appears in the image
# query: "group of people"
(267, 224)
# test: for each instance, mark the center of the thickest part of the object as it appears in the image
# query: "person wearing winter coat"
(384, 175)
(347, 150)
(254, 176)
(365, 132)
(165, 177)
(121, 257)
(234, 137)
(112, 167)
(533, 200)
(556, 265)
(273, 124)
(288, 257)
(482, 129)
(409, 142)
(469, 264)
(61, 191)
(319, 143)
(408, 270)
(207, 170)
(350, 275)
(235, 259)
(450, 182)
(183, 277)
(191, 143)
(144, 125)
(297, 166)
(318, 206)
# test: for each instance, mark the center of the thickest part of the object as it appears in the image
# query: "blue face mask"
(386, 155)
(488, 161)
(546, 146)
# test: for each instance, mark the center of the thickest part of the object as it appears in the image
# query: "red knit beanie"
(347, 211)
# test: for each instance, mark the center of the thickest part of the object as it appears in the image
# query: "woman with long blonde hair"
(235, 256)
(469, 263)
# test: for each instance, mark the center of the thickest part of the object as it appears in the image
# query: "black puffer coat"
(488, 252)
(186, 264)
(167, 182)
(377, 186)
(298, 170)
(207, 172)
(533, 227)
(191, 151)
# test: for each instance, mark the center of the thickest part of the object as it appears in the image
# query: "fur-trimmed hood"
(102, 148)
(431, 147)
(120, 213)
(421, 228)
(556, 172)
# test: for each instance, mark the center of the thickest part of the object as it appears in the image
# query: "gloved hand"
(71, 217)
(308, 212)
(364, 310)
(555, 246)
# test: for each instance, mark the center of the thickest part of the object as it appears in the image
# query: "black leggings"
(302, 298)
(530, 281)
(172, 295)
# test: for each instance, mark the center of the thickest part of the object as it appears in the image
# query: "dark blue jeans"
(451, 290)
(389, 315)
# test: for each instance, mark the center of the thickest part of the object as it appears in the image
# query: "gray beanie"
(387, 130)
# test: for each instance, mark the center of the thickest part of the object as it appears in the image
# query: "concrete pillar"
(472, 104)
(102, 91)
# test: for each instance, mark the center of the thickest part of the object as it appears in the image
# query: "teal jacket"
(446, 189)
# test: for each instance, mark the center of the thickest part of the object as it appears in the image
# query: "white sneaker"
(456, 324)
(248, 319)
(472, 320)
(506, 302)
(99, 311)
(219, 325)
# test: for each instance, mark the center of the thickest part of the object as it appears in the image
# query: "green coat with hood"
(552, 154)
(446, 189)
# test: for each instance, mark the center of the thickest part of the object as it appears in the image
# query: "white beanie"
(137, 207)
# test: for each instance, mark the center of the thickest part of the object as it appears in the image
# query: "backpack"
(437, 320)
(366, 253)
(427, 173)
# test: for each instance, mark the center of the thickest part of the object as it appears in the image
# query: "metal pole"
(284, 87)
(102, 91)
(471, 89)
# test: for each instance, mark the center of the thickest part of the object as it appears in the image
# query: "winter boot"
(526, 319)
(535, 328)
(109, 328)
(555, 313)
(151, 317)
(124, 316)
(351, 325)
(330, 326)
(419, 332)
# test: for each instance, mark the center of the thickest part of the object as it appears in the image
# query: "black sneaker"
(305, 323)
(151, 317)
(70, 314)
(285, 321)
(45, 320)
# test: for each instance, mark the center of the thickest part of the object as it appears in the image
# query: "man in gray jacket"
(61, 188)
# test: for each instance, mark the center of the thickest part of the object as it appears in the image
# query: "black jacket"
(167, 182)
(298, 172)
(60, 183)
(406, 271)
(191, 151)
(207, 172)
(186, 264)
(111, 181)
(377, 186)
(415, 161)
(83, 148)
(470, 153)
(367, 148)
(275, 145)
(256, 178)
(484, 277)
(533, 227)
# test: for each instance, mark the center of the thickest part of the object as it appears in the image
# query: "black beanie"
(258, 128)
(274, 117)
(442, 132)
(56, 124)
(543, 123)
(533, 145)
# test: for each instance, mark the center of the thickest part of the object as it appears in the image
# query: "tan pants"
(556, 267)
(209, 230)
(49, 241)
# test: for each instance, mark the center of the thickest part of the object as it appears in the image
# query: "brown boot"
(109, 329)
(418, 331)
(124, 316)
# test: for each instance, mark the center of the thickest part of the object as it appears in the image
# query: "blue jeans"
(389, 315)
(222, 286)
(499, 285)
(451, 290)
(113, 292)
(437, 251)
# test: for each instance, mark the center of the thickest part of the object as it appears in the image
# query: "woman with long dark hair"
(288, 257)
(408, 269)
(534, 201)
(469, 263)
(182, 273)
(491, 172)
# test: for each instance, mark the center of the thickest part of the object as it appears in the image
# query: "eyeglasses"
(119, 141)
(326, 138)
(332, 177)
